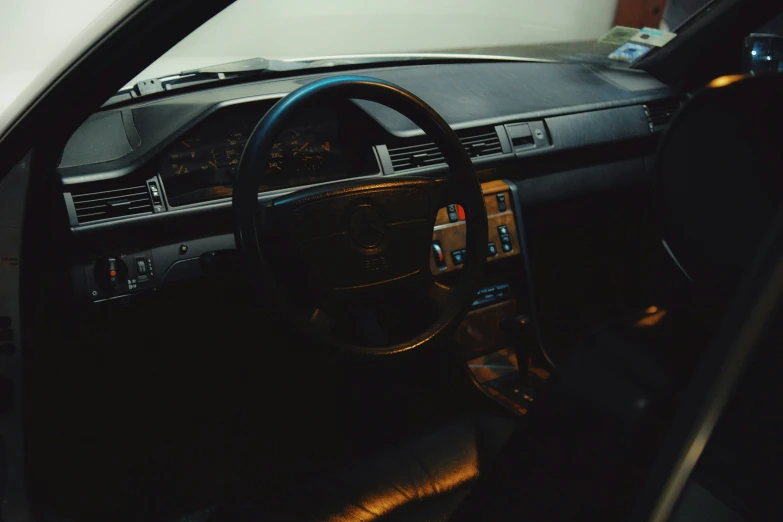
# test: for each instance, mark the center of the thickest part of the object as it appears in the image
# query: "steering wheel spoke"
(439, 294)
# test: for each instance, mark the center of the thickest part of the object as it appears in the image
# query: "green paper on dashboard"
(618, 35)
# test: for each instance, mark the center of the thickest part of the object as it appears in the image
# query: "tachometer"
(208, 164)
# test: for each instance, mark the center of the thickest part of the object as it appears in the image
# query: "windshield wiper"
(252, 67)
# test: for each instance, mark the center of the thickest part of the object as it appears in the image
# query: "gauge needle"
(180, 169)
(212, 163)
(185, 144)
(303, 146)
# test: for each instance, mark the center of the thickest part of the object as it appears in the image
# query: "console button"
(502, 202)
(437, 252)
(506, 247)
(458, 256)
(452, 211)
(492, 250)
(460, 213)
(503, 230)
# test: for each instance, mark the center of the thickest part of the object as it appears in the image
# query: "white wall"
(32, 32)
(306, 28)
(296, 28)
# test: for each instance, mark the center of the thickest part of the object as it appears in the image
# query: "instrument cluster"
(201, 164)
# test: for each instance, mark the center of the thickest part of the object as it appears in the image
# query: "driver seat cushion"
(423, 479)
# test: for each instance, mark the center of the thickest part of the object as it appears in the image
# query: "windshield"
(561, 30)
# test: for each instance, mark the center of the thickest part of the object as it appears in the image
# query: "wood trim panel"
(493, 187)
(452, 235)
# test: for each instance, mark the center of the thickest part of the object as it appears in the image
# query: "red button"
(461, 212)
(437, 251)
(113, 273)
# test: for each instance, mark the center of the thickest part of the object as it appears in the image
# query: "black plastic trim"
(130, 129)
(505, 143)
(382, 152)
(137, 158)
(581, 182)
(516, 201)
(593, 128)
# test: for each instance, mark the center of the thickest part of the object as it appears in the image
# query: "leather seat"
(423, 479)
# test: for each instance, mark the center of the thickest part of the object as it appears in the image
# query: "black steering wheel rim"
(462, 181)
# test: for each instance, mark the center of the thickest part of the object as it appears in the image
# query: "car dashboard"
(147, 184)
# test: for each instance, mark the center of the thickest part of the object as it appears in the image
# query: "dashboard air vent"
(412, 156)
(660, 113)
(111, 203)
(477, 142)
(481, 142)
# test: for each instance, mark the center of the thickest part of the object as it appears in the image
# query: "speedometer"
(209, 164)
(312, 155)
(299, 154)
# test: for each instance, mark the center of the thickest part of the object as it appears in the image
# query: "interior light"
(651, 320)
(753, 53)
(723, 81)
(769, 58)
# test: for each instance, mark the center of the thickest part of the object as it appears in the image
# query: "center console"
(499, 337)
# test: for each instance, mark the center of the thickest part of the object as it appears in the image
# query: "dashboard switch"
(505, 239)
(502, 207)
(458, 256)
(452, 211)
(141, 267)
(110, 272)
(460, 213)
(492, 250)
(437, 252)
(157, 199)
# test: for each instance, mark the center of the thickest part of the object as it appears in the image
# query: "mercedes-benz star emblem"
(367, 226)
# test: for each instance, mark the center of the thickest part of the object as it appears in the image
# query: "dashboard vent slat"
(96, 205)
(660, 113)
(98, 198)
(477, 143)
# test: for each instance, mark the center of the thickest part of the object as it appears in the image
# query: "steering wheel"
(358, 251)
